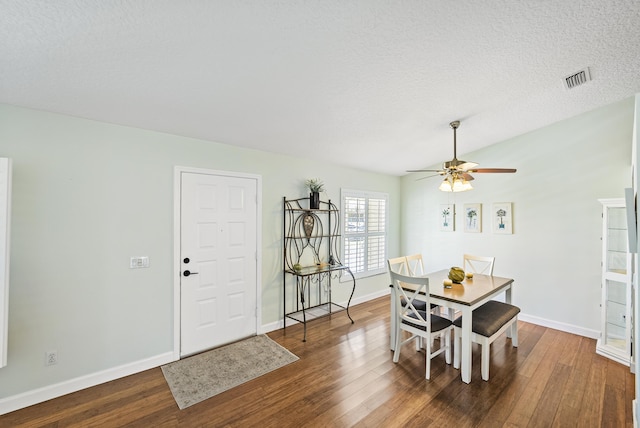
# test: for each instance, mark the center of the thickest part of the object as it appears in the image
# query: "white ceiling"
(370, 84)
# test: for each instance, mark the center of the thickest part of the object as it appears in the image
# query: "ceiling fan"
(456, 172)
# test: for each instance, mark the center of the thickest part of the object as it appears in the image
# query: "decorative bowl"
(456, 274)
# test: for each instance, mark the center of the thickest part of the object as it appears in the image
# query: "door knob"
(187, 273)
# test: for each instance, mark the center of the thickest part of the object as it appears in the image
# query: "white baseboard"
(569, 328)
(29, 398)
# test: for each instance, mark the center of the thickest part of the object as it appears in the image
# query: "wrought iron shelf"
(311, 237)
(314, 209)
(315, 312)
(315, 270)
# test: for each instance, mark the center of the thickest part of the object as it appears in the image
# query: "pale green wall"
(89, 195)
(86, 197)
(554, 254)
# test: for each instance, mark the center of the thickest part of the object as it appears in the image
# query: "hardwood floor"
(345, 377)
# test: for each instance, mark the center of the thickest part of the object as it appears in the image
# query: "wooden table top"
(470, 291)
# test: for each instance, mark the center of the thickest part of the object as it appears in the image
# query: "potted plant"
(315, 187)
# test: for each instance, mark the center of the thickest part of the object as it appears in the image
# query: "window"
(364, 237)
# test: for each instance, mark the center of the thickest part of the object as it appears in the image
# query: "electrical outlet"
(50, 358)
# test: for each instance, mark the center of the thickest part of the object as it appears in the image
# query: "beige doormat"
(202, 376)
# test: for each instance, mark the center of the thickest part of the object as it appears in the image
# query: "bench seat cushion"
(490, 317)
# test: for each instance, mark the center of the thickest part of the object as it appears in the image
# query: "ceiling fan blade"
(439, 171)
(466, 176)
(482, 170)
(466, 166)
(428, 176)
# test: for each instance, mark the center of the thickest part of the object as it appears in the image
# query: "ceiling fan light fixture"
(461, 185)
(455, 184)
(445, 186)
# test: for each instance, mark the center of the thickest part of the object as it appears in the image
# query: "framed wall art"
(447, 217)
(502, 218)
(473, 217)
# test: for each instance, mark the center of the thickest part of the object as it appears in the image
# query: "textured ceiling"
(370, 84)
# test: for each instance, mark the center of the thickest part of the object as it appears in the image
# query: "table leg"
(392, 320)
(507, 299)
(465, 366)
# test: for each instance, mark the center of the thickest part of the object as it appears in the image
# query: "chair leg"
(428, 350)
(457, 343)
(485, 358)
(396, 352)
(514, 333)
(447, 346)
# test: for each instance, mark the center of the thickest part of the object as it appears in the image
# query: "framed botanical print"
(473, 217)
(447, 217)
(502, 218)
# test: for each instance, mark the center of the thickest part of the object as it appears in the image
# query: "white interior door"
(218, 260)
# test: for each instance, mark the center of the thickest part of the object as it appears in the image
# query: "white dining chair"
(415, 265)
(419, 323)
(398, 265)
(488, 322)
(411, 265)
(478, 264)
(401, 266)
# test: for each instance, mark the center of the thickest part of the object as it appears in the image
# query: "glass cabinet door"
(616, 240)
(615, 334)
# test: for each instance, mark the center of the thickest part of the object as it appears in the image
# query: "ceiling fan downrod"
(454, 163)
(454, 125)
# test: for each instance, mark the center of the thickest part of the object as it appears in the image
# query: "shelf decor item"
(315, 187)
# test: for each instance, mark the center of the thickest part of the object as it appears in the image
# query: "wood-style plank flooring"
(345, 377)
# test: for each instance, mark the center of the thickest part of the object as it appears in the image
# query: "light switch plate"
(139, 262)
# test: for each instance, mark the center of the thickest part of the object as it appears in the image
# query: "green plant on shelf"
(315, 185)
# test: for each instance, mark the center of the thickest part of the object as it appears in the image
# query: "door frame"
(177, 199)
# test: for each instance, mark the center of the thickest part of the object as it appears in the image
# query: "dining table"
(460, 299)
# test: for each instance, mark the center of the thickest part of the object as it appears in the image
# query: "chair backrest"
(398, 265)
(478, 264)
(415, 265)
(408, 288)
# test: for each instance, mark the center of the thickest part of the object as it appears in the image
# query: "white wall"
(86, 197)
(554, 253)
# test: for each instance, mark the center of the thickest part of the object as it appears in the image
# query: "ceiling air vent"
(577, 79)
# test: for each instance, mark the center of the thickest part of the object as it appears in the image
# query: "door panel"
(218, 236)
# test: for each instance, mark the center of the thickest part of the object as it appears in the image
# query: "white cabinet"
(616, 333)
